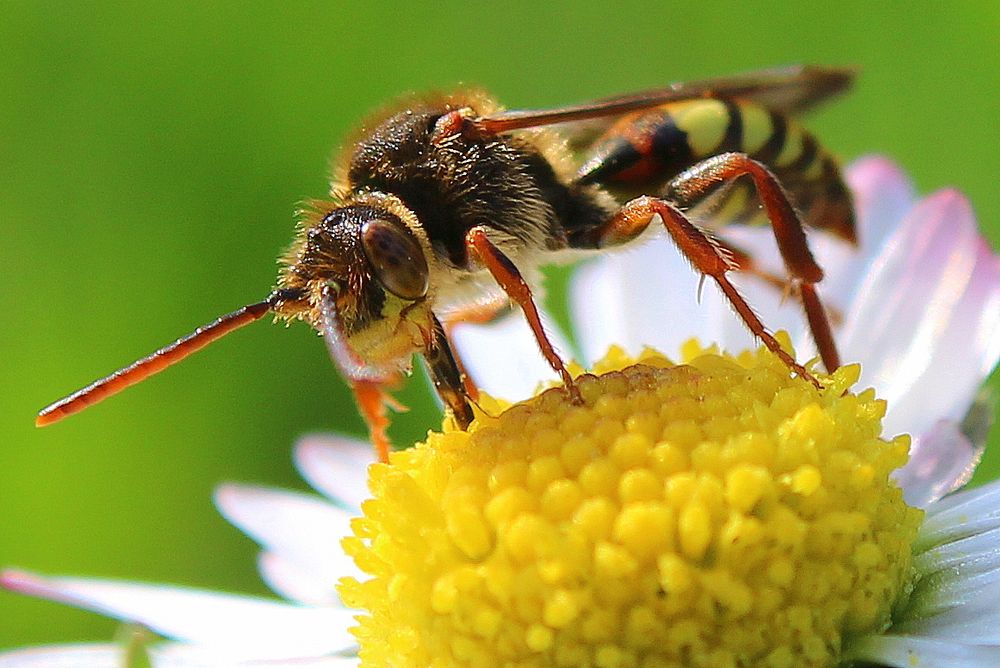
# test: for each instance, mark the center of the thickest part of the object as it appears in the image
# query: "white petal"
(179, 655)
(975, 621)
(776, 311)
(645, 294)
(161, 655)
(503, 358)
(942, 599)
(64, 656)
(336, 466)
(843, 266)
(305, 530)
(974, 555)
(901, 327)
(292, 581)
(941, 460)
(960, 515)
(957, 557)
(839, 260)
(901, 651)
(239, 626)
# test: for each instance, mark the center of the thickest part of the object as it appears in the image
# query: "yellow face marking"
(704, 121)
(397, 334)
(793, 145)
(757, 127)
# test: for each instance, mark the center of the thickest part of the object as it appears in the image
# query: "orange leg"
(372, 400)
(479, 313)
(746, 264)
(512, 283)
(693, 183)
(701, 250)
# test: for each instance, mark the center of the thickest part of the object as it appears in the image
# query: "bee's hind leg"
(702, 251)
(692, 184)
(746, 264)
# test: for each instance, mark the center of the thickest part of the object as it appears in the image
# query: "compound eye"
(396, 258)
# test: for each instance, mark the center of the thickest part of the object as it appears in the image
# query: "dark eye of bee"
(396, 257)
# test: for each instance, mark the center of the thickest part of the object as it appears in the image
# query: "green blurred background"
(151, 158)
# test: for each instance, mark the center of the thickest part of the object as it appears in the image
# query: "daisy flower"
(715, 513)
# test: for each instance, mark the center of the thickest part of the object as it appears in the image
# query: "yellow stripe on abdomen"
(704, 121)
(757, 127)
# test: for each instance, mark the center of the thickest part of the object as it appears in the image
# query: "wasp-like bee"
(453, 201)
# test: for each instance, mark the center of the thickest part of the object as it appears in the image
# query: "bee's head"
(361, 273)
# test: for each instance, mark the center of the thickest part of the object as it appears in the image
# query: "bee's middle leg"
(693, 183)
(513, 284)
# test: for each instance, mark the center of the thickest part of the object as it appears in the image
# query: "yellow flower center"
(717, 513)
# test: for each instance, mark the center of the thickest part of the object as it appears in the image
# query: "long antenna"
(138, 371)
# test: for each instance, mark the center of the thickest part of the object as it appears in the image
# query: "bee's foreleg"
(513, 284)
(372, 400)
(446, 374)
(693, 183)
(368, 381)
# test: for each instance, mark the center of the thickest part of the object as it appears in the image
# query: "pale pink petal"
(238, 626)
(966, 344)
(912, 325)
(336, 466)
(305, 530)
(941, 460)
(503, 358)
(883, 195)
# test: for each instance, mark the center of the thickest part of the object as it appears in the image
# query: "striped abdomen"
(643, 151)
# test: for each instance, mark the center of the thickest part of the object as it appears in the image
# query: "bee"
(444, 208)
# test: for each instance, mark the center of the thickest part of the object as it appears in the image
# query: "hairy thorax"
(517, 187)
